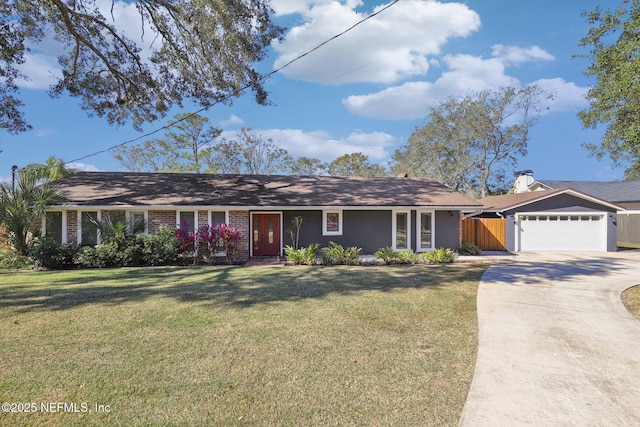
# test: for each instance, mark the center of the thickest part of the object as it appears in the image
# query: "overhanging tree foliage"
(614, 39)
(199, 50)
(469, 142)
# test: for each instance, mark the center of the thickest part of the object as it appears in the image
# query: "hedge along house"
(371, 213)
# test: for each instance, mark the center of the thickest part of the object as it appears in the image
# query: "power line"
(266, 76)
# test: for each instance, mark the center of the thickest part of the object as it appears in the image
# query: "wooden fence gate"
(489, 234)
(628, 230)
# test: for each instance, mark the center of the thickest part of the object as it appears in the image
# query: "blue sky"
(367, 90)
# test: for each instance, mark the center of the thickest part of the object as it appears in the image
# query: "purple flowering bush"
(209, 240)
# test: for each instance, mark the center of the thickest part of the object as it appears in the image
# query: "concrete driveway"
(556, 345)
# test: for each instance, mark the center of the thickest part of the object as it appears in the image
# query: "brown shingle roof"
(175, 189)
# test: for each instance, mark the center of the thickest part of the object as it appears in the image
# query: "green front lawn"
(239, 346)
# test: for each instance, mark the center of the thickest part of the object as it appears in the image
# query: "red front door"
(266, 234)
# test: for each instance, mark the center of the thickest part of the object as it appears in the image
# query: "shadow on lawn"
(240, 287)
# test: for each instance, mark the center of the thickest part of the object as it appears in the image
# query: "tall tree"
(469, 142)
(308, 166)
(614, 39)
(632, 173)
(250, 153)
(52, 169)
(199, 50)
(22, 210)
(355, 164)
(185, 150)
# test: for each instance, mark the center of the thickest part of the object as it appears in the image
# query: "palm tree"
(22, 210)
(52, 169)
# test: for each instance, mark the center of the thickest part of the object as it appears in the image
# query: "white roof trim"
(253, 208)
(570, 191)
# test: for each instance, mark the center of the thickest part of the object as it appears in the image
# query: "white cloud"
(41, 133)
(391, 46)
(83, 167)
(518, 55)
(464, 74)
(567, 96)
(288, 7)
(232, 120)
(321, 145)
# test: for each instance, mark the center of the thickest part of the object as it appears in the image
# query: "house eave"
(87, 207)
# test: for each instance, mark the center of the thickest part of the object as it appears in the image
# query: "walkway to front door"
(265, 234)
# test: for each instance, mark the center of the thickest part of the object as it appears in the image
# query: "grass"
(631, 300)
(240, 346)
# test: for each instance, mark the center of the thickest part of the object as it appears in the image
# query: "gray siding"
(560, 203)
(369, 230)
(447, 229)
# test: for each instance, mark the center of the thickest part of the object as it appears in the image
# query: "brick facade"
(240, 220)
(156, 219)
(72, 227)
(160, 218)
(203, 218)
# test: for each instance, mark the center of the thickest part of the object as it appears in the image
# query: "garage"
(565, 232)
(555, 220)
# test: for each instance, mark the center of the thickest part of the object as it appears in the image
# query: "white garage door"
(573, 232)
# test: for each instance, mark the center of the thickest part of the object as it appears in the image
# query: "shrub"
(131, 251)
(336, 254)
(352, 255)
(306, 256)
(88, 257)
(46, 253)
(105, 255)
(229, 236)
(387, 254)
(439, 256)
(161, 248)
(12, 259)
(407, 257)
(294, 256)
(208, 240)
(467, 248)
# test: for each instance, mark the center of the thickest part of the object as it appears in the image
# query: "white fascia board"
(254, 208)
(569, 191)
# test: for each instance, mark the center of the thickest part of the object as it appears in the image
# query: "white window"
(88, 233)
(332, 223)
(401, 226)
(425, 235)
(137, 221)
(55, 226)
(187, 220)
